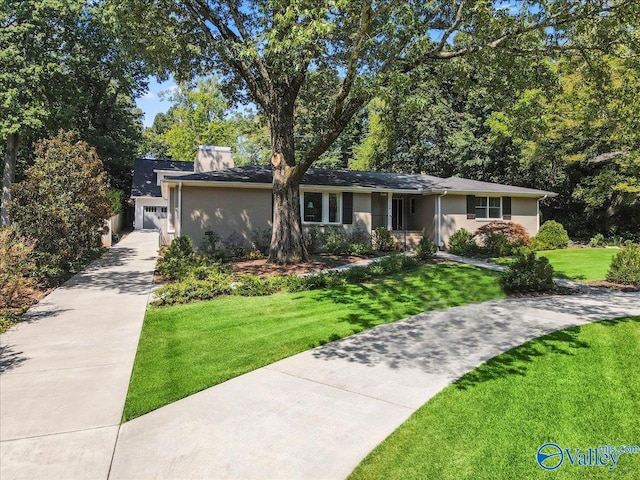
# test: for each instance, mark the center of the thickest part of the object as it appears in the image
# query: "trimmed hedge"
(625, 266)
(551, 236)
(528, 273)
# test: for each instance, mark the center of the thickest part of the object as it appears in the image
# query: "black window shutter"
(471, 207)
(347, 208)
(506, 208)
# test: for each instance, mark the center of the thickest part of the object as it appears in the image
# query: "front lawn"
(186, 348)
(578, 388)
(587, 264)
(581, 264)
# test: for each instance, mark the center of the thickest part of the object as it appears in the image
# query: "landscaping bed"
(317, 263)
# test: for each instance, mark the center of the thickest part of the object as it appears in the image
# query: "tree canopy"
(269, 51)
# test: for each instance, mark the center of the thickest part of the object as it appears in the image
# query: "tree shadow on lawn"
(454, 341)
(367, 305)
(515, 361)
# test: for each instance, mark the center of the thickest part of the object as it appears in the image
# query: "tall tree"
(30, 38)
(268, 50)
(63, 66)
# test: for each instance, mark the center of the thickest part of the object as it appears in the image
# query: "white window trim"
(487, 218)
(325, 208)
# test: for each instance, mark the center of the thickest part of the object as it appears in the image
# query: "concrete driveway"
(64, 370)
(316, 415)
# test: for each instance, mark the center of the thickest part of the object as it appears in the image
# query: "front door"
(397, 214)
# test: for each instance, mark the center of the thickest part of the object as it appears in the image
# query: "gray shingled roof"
(145, 182)
(318, 176)
(457, 184)
(359, 179)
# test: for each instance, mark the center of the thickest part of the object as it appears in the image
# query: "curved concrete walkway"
(65, 369)
(319, 413)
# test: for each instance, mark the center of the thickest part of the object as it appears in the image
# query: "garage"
(154, 218)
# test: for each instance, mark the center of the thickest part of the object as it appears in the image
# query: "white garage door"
(155, 218)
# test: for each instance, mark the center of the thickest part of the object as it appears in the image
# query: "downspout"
(439, 232)
(538, 213)
(179, 223)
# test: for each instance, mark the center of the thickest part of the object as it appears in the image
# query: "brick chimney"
(212, 158)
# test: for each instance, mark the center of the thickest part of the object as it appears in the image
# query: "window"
(312, 207)
(321, 207)
(333, 208)
(412, 206)
(488, 207)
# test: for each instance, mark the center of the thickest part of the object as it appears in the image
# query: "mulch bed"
(317, 263)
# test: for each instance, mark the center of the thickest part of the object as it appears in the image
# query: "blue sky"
(151, 103)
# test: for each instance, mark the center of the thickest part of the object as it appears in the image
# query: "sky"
(151, 103)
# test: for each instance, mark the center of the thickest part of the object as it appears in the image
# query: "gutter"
(439, 230)
(179, 222)
(538, 212)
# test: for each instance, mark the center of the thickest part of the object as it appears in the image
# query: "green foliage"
(382, 240)
(197, 117)
(597, 240)
(178, 259)
(625, 266)
(551, 236)
(261, 239)
(116, 200)
(360, 249)
(62, 204)
(426, 249)
(209, 245)
(16, 269)
(234, 244)
(336, 241)
(201, 282)
(528, 273)
(462, 242)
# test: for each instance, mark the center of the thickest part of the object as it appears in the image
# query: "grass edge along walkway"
(184, 349)
(578, 387)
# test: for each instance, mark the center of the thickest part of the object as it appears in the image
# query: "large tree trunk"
(287, 242)
(9, 176)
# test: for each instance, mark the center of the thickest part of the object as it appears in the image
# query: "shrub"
(254, 255)
(500, 238)
(360, 249)
(597, 240)
(383, 240)
(462, 242)
(178, 259)
(358, 235)
(208, 246)
(254, 286)
(625, 266)
(357, 274)
(62, 204)
(551, 236)
(234, 244)
(16, 267)
(335, 241)
(313, 239)
(426, 249)
(528, 274)
(394, 263)
(201, 283)
(261, 239)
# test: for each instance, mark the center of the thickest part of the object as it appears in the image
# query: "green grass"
(186, 348)
(578, 387)
(587, 264)
(580, 264)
